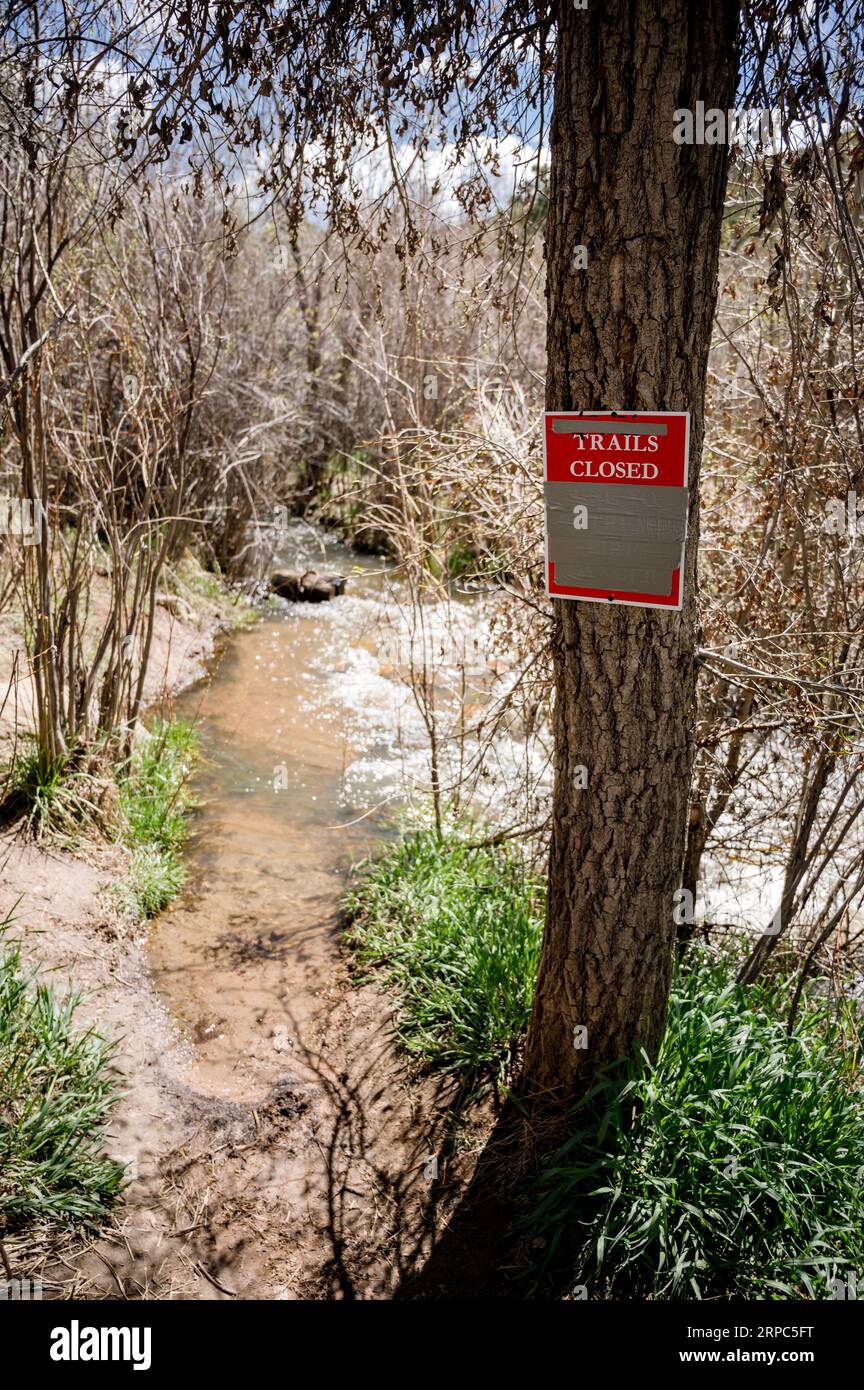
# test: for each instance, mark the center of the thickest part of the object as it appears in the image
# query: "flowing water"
(294, 762)
(311, 738)
(303, 1146)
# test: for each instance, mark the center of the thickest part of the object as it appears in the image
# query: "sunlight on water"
(311, 740)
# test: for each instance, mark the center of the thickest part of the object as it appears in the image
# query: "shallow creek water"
(311, 738)
(297, 728)
(310, 741)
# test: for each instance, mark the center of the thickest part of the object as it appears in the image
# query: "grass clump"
(155, 802)
(62, 799)
(730, 1168)
(57, 1091)
(144, 803)
(455, 932)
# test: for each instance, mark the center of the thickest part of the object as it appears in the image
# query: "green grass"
(731, 1168)
(454, 933)
(57, 1091)
(56, 799)
(145, 803)
(155, 802)
(57, 1088)
(77, 795)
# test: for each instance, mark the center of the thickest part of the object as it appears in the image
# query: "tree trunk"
(630, 332)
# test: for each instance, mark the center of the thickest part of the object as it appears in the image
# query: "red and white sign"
(616, 505)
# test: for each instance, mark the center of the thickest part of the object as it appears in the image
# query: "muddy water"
(298, 731)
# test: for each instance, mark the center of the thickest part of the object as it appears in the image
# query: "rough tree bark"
(631, 332)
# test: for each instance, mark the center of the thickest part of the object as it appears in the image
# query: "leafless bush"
(783, 689)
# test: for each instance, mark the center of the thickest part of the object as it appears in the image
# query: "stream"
(296, 737)
(311, 740)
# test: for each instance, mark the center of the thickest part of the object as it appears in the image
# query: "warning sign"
(616, 506)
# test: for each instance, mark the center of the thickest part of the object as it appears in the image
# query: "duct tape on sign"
(616, 505)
